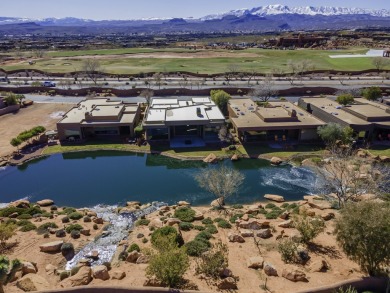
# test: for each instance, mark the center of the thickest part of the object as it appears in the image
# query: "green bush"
(45, 227)
(6, 232)
(288, 250)
(199, 228)
(75, 216)
(68, 211)
(53, 208)
(284, 205)
(217, 220)
(211, 263)
(123, 255)
(75, 234)
(204, 235)
(224, 224)
(274, 214)
(211, 229)
(185, 214)
(308, 227)
(67, 248)
(87, 219)
(64, 275)
(65, 220)
(262, 211)
(237, 206)
(23, 222)
(28, 227)
(142, 222)
(24, 217)
(166, 231)
(95, 226)
(235, 217)
(270, 205)
(207, 221)
(196, 247)
(133, 247)
(144, 240)
(185, 226)
(73, 227)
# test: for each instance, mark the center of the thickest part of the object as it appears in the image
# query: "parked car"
(48, 83)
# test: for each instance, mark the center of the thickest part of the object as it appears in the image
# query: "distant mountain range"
(263, 18)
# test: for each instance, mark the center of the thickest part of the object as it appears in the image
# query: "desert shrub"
(74, 270)
(75, 234)
(123, 255)
(199, 228)
(60, 233)
(308, 227)
(363, 232)
(166, 232)
(211, 229)
(211, 263)
(47, 215)
(217, 220)
(65, 220)
(273, 214)
(45, 227)
(224, 224)
(204, 235)
(87, 219)
(23, 222)
(73, 227)
(207, 221)
(270, 205)
(108, 265)
(142, 222)
(27, 227)
(6, 212)
(133, 247)
(185, 214)
(185, 226)
(288, 250)
(235, 217)
(237, 206)
(68, 210)
(75, 216)
(11, 221)
(64, 275)
(145, 240)
(67, 248)
(196, 247)
(24, 217)
(170, 263)
(95, 226)
(53, 208)
(284, 205)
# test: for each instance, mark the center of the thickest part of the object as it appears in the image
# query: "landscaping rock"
(274, 197)
(211, 158)
(32, 282)
(319, 204)
(285, 215)
(246, 233)
(22, 204)
(253, 224)
(173, 221)
(140, 235)
(91, 214)
(225, 273)
(183, 203)
(286, 224)
(133, 203)
(100, 272)
(276, 161)
(45, 202)
(85, 232)
(294, 275)
(117, 275)
(94, 254)
(255, 262)
(253, 209)
(328, 216)
(98, 221)
(133, 256)
(234, 158)
(156, 222)
(142, 259)
(320, 265)
(52, 247)
(270, 270)
(264, 233)
(227, 284)
(83, 277)
(28, 268)
(235, 238)
(384, 159)
(217, 202)
(198, 216)
(13, 215)
(164, 208)
(245, 217)
(50, 269)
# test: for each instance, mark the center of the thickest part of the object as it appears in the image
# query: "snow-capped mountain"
(278, 9)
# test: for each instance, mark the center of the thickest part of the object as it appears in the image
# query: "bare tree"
(158, 79)
(91, 68)
(39, 53)
(251, 74)
(266, 90)
(341, 77)
(147, 94)
(379, 63)
(183, 83)
(231, 72)
(221, 181)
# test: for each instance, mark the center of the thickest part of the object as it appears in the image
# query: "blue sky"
(131, 9)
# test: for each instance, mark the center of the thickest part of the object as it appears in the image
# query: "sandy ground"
(12, 124)
(250, 280)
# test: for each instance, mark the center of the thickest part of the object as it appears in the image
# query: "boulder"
(91, 214)
(211, 158)
(198, 216)
(274, 197)
(133, 203)
(246, 233)
(255, 262)
(319, 204)
(28, 268)
(173, 221)
(264, 233)
(83, 277)
(32, 282)
(320, 265)
(327, 216)
(286, 224)
(225, 273)
(156, 223)
(22, 204)
(164, 208)
(234, 158)
(50, 269)
(45, 202)
(245, 217)
(218, 202)
(227, 284)
(133, 256)
(269, 269)
(253, 224)
(235, 238)
(294, 274)
(94, 254)
(285, 215)
(13, 215)
(51, 247)
(100, 272)
(253, 209)
(312, 197)
(384, 159)
(183, 203)
(98, 221)
(117, 275)
(276, 161)
(142, 259)
(85, 232)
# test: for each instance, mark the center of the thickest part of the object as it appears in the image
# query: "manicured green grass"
(380, 150)
(263, 61)
(264, 151)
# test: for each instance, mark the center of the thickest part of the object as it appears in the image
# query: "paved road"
(74, 100)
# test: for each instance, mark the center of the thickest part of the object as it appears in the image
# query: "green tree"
(221, 99)
(332, 132)
(372, 93)
(11, 99)
(363, 231)
(222, 182)
(308, 227)
(169, 263)
(6, 232)
(16, 142)
(345, 99)
(7, 270)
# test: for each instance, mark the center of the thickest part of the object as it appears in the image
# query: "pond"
(86, 179)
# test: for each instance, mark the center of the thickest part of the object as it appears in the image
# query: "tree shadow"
(329, 251)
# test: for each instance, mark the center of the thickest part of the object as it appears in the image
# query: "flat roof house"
(192, 122)
(370, 119)
(99, 118)
(279, 121)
